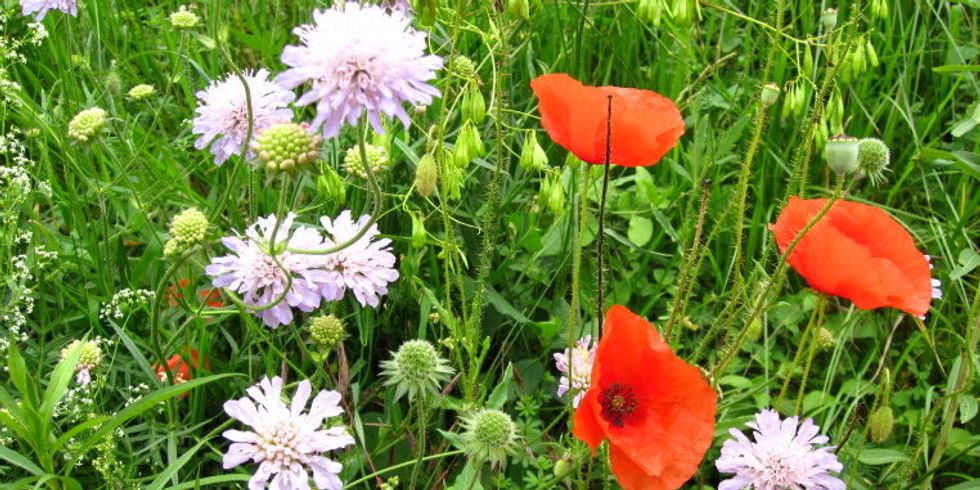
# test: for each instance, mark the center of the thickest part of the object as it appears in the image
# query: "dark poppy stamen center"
(616, 402)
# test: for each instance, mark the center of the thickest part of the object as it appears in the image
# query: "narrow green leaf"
(955, 68)
(17, 459)
(875, 457)
(60, 379)
(174, 467)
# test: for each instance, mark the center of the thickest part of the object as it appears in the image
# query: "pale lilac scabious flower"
(222, 112)
(782, 456)
(360, 59)
(284, 441)
(40, 8)
(366, 267)
(251, 271)
(576, 368)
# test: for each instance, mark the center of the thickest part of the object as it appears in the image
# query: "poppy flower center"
(616, 402)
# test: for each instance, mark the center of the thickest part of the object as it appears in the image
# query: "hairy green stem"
(600, 238)
(691, 264)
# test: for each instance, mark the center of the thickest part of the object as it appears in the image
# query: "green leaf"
(640, 230)
(174, 467)
(60, 379)
(969, 259)
(973, 484)
(966, 161)
(502, 392)
(20, 460)
(17, 368)
(875, 457)
(968, 408)
(955, 68)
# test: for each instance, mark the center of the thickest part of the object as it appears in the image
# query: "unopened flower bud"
(418, 231)
(519, 8)
(377, 160)
(650, 11)
(416, 369)
(770, 93)
(473, 107)
(188, 228)
(327, 330)
(829, 19)
(842, 154)
(881, 423)
(754, 330)
(490, 436)
(113, 83)
(533, 157)
(184, 19)
(462, 67)
(89, 358)
(142, 91)
(468, 146)
(873, 159)
(552, 195)
(426, 175)
(87, 124)
(286, 147)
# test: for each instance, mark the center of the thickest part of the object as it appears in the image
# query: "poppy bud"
(418, 231)
(519, 8)
(532, 155)
(473, 107)
(562, 467)
(842, 154)
(829, 19)
(873, 158)
(331, 186)
(426, 175)
(770, 93)
(881, 423)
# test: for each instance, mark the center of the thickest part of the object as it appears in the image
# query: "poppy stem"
(602, 215)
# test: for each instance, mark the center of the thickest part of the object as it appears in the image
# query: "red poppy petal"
(585, 422)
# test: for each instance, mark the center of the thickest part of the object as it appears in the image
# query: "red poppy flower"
(657, 411)
(180, 368)
(858, 252)
(645, 124)
(175, 292)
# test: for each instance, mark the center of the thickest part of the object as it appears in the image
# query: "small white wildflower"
(576, 368)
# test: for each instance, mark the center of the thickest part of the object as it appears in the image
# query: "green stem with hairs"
(600, 238)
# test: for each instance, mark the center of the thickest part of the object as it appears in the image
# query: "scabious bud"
(377, 159)
(489, 437)
(112, 81)
(86, 124)
(533, 156)
(462, 67)
(188, 228)
(829, 19)
(426, 175)
(287, 146)
(327, 330)
(331, 186)
(873, 159)
(184, 19)
(416, 369)
(842, 154)
(473, 107)
(89, 358)
(881, 423)
(770, 93)
(141, 92)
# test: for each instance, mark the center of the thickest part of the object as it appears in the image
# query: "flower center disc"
(617, 401)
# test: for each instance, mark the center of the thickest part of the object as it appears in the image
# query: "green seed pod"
(770, 94)
(835, 113)
(789, 101)
(426, 175)
(754, 330)
(821, 135)
(468, 145)
(418, 231)
(473, 107)
(842, 154)
(807, 60)
(519, 8)
(552, 194)
(881, 423)
(829, 19)
(533, 156)
(799, 109)
(879, 9)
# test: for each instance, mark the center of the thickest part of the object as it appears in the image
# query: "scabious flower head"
(222, 112)
(360, 59)
(377, 159)
(327, 330)
(252, 271)
(286, 146)
(184, 19)
(416, 368)
(783, 454)
(86, 124)
(89, 358)
(188, 228)
(141, 92)
(284, 441)
(365, 267)
(462, 67)
(576, 368)
(490, 436)
(40, 8)
(872, 159)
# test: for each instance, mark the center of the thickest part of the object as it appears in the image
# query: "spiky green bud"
(842, 154)
(87, 124)
(873, 159)
(426, 175)
(327, 330)
(188, 228)
(184, 19)
(142, 91)
(489, 436)
(825, 338)
(377, 159)
(287, 147)
(416, 369)
(462, 67)
(881, 423)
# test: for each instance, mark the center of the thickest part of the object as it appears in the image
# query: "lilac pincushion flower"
(284, 441)
(251, 271)
(783, 455)
(576, 368)
(222, 112)
(366, 267)
(360, 59)
(40, 8)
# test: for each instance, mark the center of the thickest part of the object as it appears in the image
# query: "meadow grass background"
(111, 202)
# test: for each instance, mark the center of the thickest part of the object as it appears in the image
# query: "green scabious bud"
(141, 92)
(770, 94)
(825, 338)
(286, 147)
(416, 369)
(842, 154)
(473, 107)
(188, 228)
(881, 423)
(331, 186)
(462, 67)
(426, 175)
(519, 8)
(829, 19)
(489, 436)
(184, 19)
(533, 157)
(418, 231)
(651, 11)
(87, 124)
(468, 146)
(90, 355)
(873, 159)
(377, 159)
(327, 330)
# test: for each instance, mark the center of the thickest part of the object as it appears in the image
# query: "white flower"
(360, 58)
(222, 112)
(582, 357)
(252, 272)
(40, 8)
(284, 441)
(366, 267)
(782, 456)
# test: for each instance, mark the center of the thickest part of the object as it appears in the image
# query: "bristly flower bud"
(881, 423)
(416, 369)
(286, 147)
(331, 186)
(327, 330)
(770, 93)
(184, 19)
(842, 154)
(462, 67)
(490, 437)
(87, 124)
(473, 107)
(829, 19)
(426, 175)
(533, 156)
(873, 159)
(142, 91)
(377, 159)
(188, 228)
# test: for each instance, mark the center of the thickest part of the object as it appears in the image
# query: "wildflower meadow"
(489, 244)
